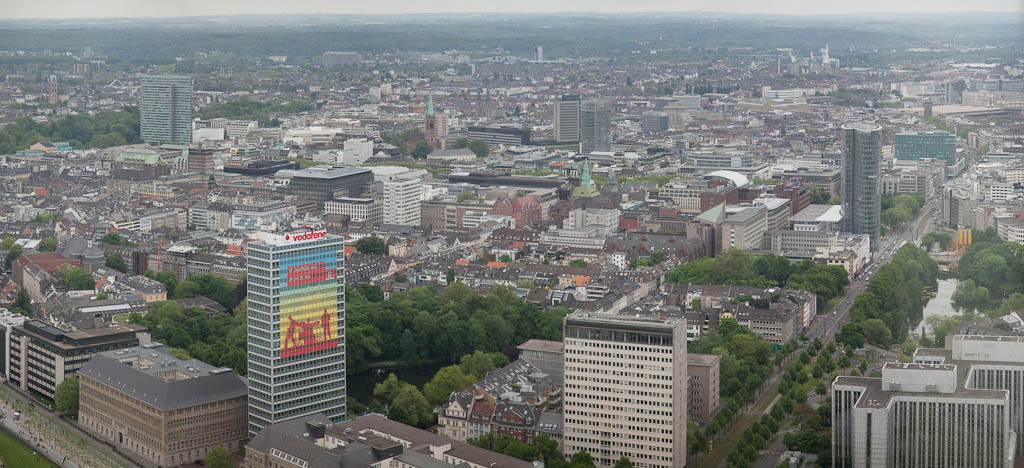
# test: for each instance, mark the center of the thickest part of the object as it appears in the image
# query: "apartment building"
(625, 392)
(161, 411)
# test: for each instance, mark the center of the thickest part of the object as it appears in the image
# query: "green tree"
(13, 253)
(623, 462)
(876, 332)
(116, 261)
(446, 381)
(49, 245)
(421, 150)
(219, 457)
(476, 365)
(478, 147)
(7, 243)
(371, 245)
(66, 397)
(467, 195)
(410, 407)
(579, 262)
(76, 279)
(22, 303)
(186, 289)
(112, 238)
(581, 459)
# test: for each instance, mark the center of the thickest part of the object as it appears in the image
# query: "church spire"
(430, 106)
(587, 182)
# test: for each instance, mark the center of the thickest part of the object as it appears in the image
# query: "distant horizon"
(14, 10)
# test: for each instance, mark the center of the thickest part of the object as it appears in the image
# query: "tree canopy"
(66, 397)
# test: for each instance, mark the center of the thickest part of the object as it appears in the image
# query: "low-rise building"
(42, 356)
(161, 411)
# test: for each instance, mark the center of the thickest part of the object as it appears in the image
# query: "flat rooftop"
(819, 214)
(330, 173)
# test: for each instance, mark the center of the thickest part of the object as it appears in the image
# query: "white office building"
(357, 150)
(962, 407)
(625, 392)
(402, 200)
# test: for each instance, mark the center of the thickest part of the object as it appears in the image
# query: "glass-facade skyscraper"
(296, 330)
(862, 190)
(595, 126)
(165, 109)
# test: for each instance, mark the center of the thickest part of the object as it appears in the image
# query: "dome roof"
(736, 178)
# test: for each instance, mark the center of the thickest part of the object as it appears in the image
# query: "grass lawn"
(14, 453)
(122, 319)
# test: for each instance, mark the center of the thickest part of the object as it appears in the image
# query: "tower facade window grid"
(625, 390)
(862, 192)
(296, 329)
(165, 109)
(595, 126)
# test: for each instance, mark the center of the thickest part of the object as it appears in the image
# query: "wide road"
(827, 325)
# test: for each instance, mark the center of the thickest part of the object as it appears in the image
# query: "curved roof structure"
(736, 178)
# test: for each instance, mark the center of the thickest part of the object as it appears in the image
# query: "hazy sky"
(169, 8)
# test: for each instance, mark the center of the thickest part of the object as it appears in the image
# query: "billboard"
(309, 307)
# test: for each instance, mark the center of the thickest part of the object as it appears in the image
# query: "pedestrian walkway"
(58, 440)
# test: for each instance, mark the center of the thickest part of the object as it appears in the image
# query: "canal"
(941, 305)
(360, 386)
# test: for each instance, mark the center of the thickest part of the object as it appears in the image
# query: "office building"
(548, 356)
(334, 59)
(357, 209)
(540, 54)
(625, 391)
(367, 441)
(962, 406)
(595, 126)
(273, 214)
(161, 411)
(53, 92)
(9, 320)
(862, 191)
(654, 122)
(296, 291)
(703, 377)
(322, 183)
(746, 229)
(921, 145)
(165, 109)
(495, 136)
(567, 118)
(200, 160)
(42, 356)
(402, 199)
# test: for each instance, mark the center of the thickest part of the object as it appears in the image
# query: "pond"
(941, 305)
(360, 386)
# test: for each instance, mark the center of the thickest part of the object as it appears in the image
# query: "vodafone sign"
(306, 236)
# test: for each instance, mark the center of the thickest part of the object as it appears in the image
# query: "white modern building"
(607, 221)
(357, 150)
(402, 200)
(357, 209)
(962, 407)
(625, 392)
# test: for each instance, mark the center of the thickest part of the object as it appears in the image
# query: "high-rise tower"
(53, 94)
(165, 109)
(595, 126)
(296, 332)
(626, 389)
(862, 194)
(566, 118)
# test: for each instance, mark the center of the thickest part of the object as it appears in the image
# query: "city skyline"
(195, 8)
